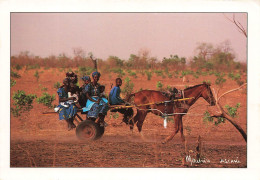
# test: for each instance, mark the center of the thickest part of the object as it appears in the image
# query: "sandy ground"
(43, 141)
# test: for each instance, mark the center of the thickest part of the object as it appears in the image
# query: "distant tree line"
(207, 58)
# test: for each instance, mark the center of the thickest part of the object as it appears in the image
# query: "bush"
(149, 75)
(159, 72)
(22, 102)
(220, 79)
(57, 85)
(15, 74)
(12, 83)
(46, 99)
(34, 66)
(159, 85)
(36, 74)
(133, 74)
(118, 71)
(83, 71)
(128, 88)
(207, 118)
(232, 111)
(18, 67)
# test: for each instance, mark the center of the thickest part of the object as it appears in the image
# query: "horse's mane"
(196, 86)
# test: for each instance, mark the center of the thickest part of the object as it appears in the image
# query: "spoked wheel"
(88, 130)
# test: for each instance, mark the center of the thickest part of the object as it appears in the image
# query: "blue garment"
(93, 108)
(114, 96)
(66, 110)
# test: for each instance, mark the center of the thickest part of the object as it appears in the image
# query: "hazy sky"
(122, 34)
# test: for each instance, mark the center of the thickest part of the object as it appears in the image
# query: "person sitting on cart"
(72, 77)
(115, 99)
(66, 110)
(96, 106)
(74, 92)
(82, 96)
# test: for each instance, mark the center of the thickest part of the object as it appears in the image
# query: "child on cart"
(115, 99)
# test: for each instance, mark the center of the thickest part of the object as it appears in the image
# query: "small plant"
(57, 85)
(159, 85)
(12, 82)
(15, 74)
(46, 99)
(118, 71)
(232, 111)
(44, 89)
(159, 72)
(220, 79)
(196, 76)
(35, 66)
(36, 74)
(169, 75)
(22, 102)
(133, 74)
(149, 75)
(18, 67)
(128, 88)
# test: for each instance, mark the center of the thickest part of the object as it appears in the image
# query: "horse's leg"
(140, 120)
(177, 119)
(182, 135)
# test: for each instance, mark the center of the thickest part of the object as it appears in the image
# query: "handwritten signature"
(196, 161)
(230, 161)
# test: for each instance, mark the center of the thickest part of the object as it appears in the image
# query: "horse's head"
(208, 95)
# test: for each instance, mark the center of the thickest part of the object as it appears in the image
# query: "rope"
(152, 103)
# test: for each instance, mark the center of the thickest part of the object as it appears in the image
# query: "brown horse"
(148, 98)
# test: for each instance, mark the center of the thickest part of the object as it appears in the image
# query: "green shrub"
(18, 67)
(128, 87)
(207, 118)
(12, 82)
(22, 102)
(159, 85)
(34, 66)
(158, 72)
(44, 89)
(36, 74)
(232, 111)
(169, 75)
(83, 70)
(46, 99)
(133, 74)
(57, 85)
(15, 74)
(149, 75)
(196, 76)
(220, 79)
(118, 71)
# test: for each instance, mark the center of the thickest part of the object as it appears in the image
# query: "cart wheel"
(88, 130)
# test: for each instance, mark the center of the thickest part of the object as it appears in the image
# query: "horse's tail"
(129, 97)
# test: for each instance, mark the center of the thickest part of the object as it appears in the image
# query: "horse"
(145, 102)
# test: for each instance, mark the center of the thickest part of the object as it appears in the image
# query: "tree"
(222, 114)
(239, 26)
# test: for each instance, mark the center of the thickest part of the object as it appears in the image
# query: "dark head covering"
(96, 73)
(85, 78)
